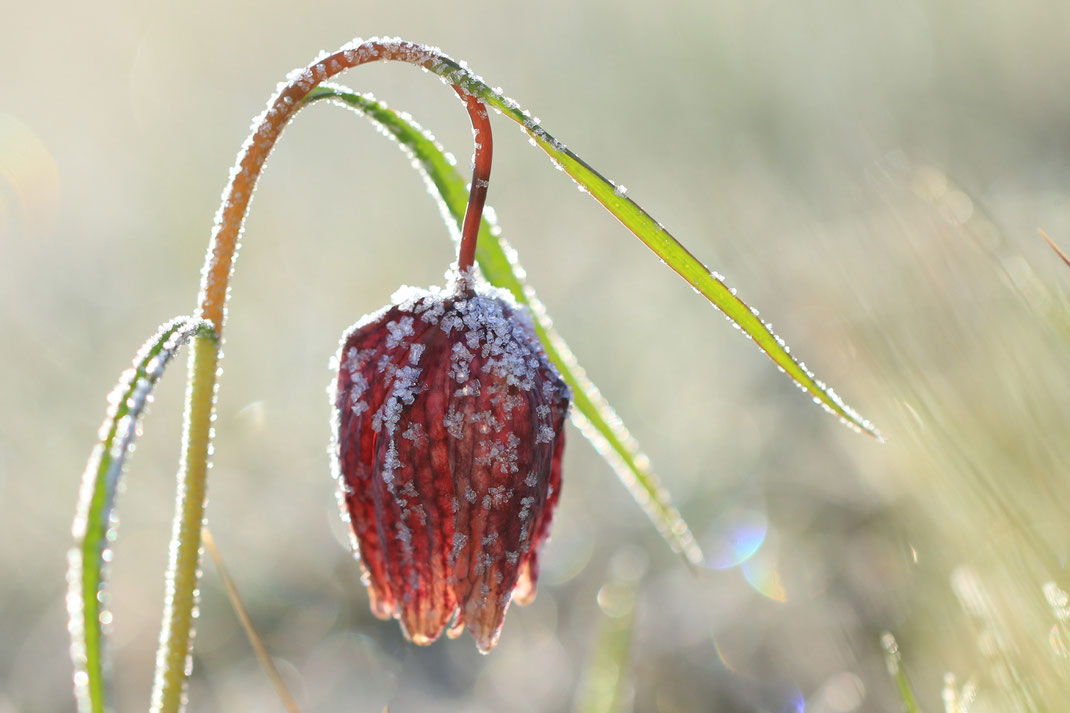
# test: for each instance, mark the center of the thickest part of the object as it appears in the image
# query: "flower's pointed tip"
(422, 627)
(485, 619)
(457, 628)
(380, 605)
(488, 640)
(524, 591)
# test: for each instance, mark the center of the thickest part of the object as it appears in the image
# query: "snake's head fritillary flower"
(449, 431)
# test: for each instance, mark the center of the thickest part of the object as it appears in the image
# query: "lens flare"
(796, 704)
(734, 536)
(762, 573)
(29, 173)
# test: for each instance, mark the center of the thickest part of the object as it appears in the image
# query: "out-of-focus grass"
(980, 384)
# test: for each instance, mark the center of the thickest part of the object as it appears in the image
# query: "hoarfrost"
(398, 331)
(460, 359)
(485, 422)
(390, 464)
(405, 538)
(454, 423)
(358, 386)
(357, 359)
(525, 507)
(404, 391)
(472, 388)
(414, 432)
(496, 497)
(483, 562)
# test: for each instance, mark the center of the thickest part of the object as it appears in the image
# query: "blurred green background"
(869, 175)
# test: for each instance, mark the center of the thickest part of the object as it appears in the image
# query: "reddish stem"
(239, 191)
(477, 195)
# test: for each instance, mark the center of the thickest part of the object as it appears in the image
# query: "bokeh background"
(869, 175)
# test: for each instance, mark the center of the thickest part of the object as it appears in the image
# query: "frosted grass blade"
(592, 414)
(95, 519)
(657, 238)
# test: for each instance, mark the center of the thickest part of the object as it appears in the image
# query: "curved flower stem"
(173, 657)
(477, 196)
(269, 126)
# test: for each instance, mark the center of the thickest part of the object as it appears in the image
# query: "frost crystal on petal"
(398, 331)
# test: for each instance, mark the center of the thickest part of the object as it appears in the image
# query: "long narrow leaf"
(498, 262)
(95, 518)
(656, 237)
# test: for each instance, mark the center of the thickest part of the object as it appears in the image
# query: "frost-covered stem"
(173, 658)
(477, 195)
(286, 102)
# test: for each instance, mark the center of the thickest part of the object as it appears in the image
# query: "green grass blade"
(95, 518)
(658, 239)
(894, 660)
(498, 262)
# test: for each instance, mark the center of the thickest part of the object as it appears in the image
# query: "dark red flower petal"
(449, 431)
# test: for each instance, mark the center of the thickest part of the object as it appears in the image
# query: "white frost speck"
(414, 432)
(398, 331)
(459, 541)
(454, 423)
(390, 463)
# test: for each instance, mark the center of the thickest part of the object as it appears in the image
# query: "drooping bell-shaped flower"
(449, 431)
